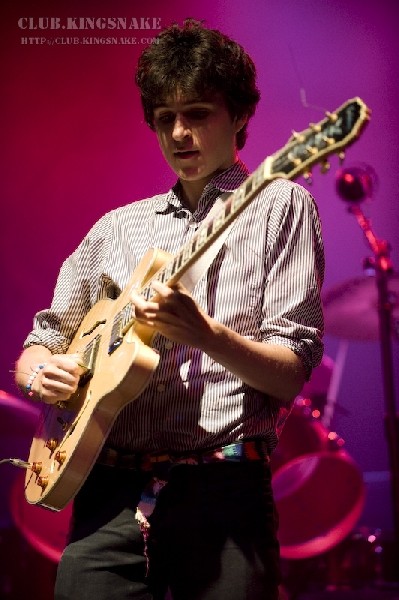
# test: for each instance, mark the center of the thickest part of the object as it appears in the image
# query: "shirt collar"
(228, 181)
(231, 179)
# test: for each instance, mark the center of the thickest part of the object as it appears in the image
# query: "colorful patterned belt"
(237, 452)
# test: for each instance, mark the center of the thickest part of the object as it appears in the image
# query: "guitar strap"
(200, 267)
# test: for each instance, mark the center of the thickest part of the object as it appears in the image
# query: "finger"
(179, 287)
(51, 391)
(164, 291)
(67, 371)
(140, 304)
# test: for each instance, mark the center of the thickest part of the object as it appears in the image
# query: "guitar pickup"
(116, 334)
(89, 360)
(121, 322)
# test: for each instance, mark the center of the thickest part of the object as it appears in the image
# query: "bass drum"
(318, 488)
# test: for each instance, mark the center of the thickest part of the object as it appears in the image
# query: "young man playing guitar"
(192, 445)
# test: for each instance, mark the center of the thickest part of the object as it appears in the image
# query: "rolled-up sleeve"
(292, 310)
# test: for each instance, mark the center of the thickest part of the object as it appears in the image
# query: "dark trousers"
(212, 537)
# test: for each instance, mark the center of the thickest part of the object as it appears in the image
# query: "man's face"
(197, 137)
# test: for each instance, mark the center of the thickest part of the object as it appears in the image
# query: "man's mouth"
(185, 154)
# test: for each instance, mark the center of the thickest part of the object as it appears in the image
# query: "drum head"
(319, 498)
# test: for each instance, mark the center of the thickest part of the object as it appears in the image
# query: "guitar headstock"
(332, 135)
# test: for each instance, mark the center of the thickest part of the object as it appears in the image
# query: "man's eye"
(198, 114)
(165, 118)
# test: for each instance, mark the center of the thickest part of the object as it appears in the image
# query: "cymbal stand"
(383, 267)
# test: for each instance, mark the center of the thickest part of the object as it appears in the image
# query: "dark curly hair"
(196, 61)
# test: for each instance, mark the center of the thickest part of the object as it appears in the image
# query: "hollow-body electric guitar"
(116, 350)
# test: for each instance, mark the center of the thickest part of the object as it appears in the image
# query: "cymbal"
(351, 308)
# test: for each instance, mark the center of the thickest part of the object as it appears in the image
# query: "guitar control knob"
(60, 456)
(52, 444)
(36, 467)
(42, 482)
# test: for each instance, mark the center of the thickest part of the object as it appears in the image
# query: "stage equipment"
(318, 488)
(351, 308)
(367, 308)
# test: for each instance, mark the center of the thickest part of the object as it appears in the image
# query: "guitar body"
(69, 437)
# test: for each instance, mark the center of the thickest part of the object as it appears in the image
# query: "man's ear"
(240, 122)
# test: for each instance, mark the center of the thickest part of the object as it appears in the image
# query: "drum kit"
(318, 487)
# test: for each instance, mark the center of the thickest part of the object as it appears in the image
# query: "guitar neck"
(206, 235)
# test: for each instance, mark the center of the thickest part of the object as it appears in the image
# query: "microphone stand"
(383, 269)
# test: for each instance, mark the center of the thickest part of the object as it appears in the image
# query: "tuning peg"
(312, 150)
(296, 161)
(315, 127)
(329, 141)
(332, 116)
(325, 166)
(299, 137)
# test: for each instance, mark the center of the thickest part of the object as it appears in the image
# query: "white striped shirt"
(264, 283)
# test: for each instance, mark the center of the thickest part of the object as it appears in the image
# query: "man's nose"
(181, 128)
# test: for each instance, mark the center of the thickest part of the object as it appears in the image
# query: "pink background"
(75, 146)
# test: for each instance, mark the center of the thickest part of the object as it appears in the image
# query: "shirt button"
(168, 344)
(160, 387)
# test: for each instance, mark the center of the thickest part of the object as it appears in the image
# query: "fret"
(209, 229)
(186, 254)
(238, 198)
(147, 293)
(162, 276)
(201, 237)
(167, 271)
(228, 207)
(218, 221)
(248, 186)
(259, 176)
(174, 268)
(179, 261)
